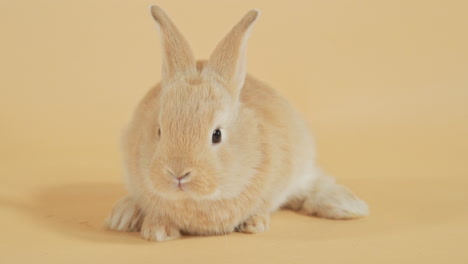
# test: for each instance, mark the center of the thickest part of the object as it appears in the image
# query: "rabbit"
(211, 150)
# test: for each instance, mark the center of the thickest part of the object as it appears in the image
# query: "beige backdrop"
(383, 84)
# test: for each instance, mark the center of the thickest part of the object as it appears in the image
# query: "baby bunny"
(211, 150)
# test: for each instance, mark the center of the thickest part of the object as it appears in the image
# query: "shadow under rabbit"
(81, 209)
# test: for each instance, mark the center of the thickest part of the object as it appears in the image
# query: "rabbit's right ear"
(228, 60)
(177, 56)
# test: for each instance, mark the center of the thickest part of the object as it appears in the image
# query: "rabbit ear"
(177, 55)
(228, 60)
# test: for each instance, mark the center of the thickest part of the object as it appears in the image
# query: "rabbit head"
(202, 148)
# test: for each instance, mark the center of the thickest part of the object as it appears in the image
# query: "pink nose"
(178, 177)
(182, 176)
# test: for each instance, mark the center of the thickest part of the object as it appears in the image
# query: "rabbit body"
(181, 179)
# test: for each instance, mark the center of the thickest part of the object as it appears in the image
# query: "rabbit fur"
(180, 182)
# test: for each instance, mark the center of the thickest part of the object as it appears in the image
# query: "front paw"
(255, 224)
(126, 215)
(156, 229)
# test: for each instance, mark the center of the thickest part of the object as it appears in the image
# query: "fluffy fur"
(180, 182)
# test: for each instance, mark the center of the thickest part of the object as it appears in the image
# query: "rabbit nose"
(178, 177)
(182, 176)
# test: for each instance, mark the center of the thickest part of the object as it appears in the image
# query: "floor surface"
(383, 84)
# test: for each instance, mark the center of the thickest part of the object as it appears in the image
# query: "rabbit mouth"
(195, 187)
(179, 185)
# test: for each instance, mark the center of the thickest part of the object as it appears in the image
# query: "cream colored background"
(383, 84)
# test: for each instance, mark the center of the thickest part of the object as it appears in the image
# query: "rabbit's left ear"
(228, 60)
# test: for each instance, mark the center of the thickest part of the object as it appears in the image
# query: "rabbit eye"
(216, 138)
(159, 132)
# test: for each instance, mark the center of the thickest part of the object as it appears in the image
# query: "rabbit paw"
(255, 224)
(154, 229)
(125, 216)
